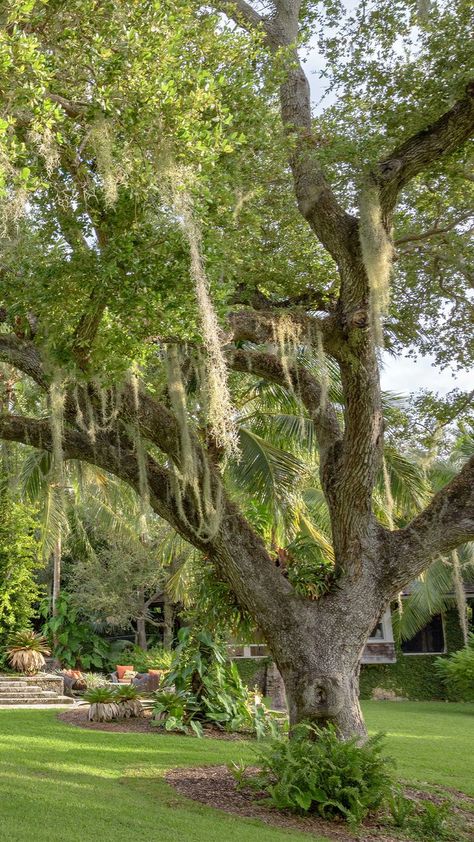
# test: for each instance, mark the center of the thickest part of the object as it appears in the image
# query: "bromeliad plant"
(103, 706)
(128, 701)
(26, 651)
(204, 687)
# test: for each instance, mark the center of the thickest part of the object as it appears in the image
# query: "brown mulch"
(216, 787)
(140, 725)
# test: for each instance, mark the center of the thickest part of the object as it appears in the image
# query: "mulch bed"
(140, 725)
(216, 787)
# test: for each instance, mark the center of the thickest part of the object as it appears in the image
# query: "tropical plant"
(94, 679)
(316, 772)
(155, 658)
(19, 564)
(174, 710)
(128, 700)
(204, 687)
(103, 706)
(26, 651)
(457, 672)
(74, 641)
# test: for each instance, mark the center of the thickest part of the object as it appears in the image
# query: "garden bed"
(216, 787)
(140, 725)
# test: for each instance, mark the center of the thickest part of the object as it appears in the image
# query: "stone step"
(22, 688)
(36, 700)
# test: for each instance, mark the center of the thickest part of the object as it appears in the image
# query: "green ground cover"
(59, 781)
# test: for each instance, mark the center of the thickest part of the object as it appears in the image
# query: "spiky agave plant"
(103, 706)
(25, 652)
(127, 698)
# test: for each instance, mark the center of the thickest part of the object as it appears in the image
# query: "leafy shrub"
(203, 686)
(157, 658)
(457, 672)
(431, 824)
(94, 679)
(19, 562)
(401, 809)
(74, 641)
(315, 771)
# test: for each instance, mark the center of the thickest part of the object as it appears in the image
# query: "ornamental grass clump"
(26, 650)
(316, 772)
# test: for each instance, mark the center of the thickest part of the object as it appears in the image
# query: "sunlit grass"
(58, 781)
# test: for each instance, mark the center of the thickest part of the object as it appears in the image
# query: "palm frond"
(34, 471)
(266, 471)
(310, 529)
(430, 595)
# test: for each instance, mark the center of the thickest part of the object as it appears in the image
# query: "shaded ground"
(138, 725)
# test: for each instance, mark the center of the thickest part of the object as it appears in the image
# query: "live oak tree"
(146, 154)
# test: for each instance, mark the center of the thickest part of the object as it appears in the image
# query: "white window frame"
(387, 629)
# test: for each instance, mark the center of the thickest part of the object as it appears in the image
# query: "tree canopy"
(179, 226)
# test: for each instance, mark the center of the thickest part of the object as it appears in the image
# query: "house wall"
(412, 676)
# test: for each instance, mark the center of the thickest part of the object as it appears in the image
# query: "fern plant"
(317, 772)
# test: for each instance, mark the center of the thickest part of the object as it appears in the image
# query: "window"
(258, 650)
(378, 632)
(430, 640)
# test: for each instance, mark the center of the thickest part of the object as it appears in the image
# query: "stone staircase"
(26, 690)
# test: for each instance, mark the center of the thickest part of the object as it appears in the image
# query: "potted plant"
(128, 700)
(26, 651)
(103, 706)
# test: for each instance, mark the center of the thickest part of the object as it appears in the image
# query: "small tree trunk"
(141, 630)
(57, 552)
(141, 634)
(168, 621)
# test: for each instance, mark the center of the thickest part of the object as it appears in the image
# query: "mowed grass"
(59, 781)
(432, 742)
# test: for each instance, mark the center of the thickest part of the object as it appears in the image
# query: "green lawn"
(59, 782)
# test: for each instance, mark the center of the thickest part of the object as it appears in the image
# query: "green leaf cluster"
(74, 641)
(19, 564)
(204, 687)
(315, 771)
(457, 673)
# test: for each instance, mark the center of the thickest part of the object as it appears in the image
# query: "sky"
(403, 374)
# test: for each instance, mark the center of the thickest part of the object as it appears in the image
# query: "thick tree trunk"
(324, 693)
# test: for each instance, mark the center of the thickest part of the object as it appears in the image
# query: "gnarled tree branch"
(446, 523)
(316, 199)
(443, 136)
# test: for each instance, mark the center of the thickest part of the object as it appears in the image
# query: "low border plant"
(316, 772)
